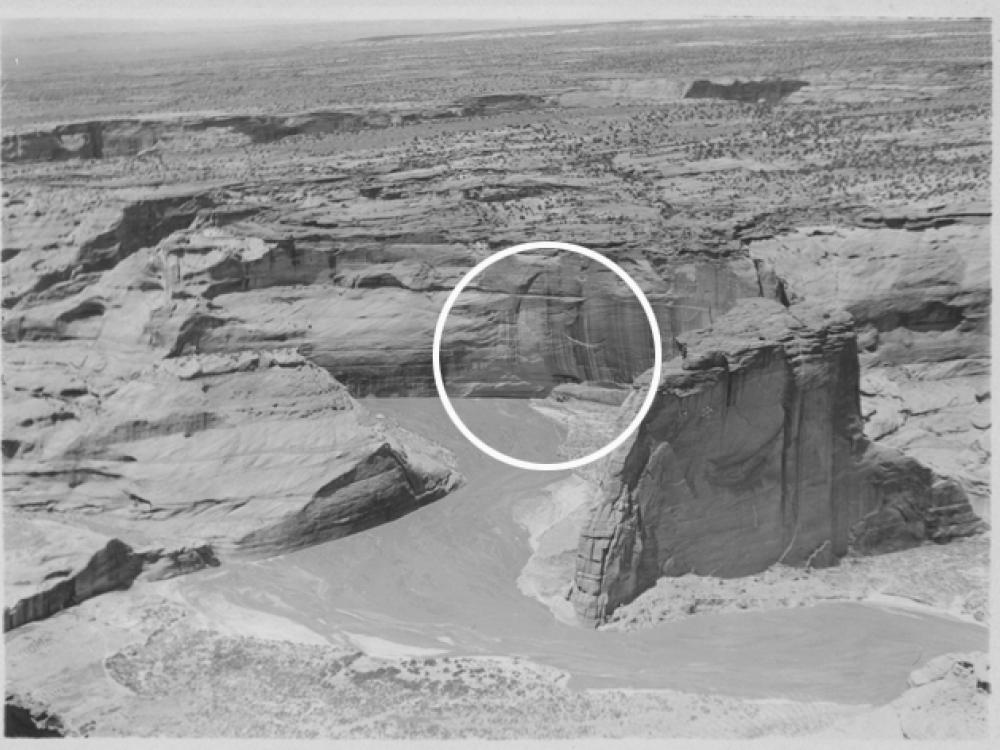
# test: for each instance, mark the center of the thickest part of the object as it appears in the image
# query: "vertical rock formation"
(115, 566)
(753, 453)
(52, 565)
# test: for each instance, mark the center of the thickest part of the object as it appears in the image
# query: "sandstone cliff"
(917, 284)
(113, 567)
(101, 139)
(55, 563)
(258, 453)
(177, 273)
(180, 363)
(754, 453)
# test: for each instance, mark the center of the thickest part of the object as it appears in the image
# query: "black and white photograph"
(561, 372)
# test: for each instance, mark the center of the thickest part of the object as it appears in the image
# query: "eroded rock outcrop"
(19, 721)
(98, 139)
(76, 251)
(197, 272)
(918, 287)
(753, 453)
(53, 564)
(947, 699)
(257, 453)
(769, 90)
(113, 567)
(163, 564)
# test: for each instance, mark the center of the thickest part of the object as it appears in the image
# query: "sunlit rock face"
(181, 274)
(754, 453)
(522, 327)
(918, 287)
(561, 320)
(253, 454)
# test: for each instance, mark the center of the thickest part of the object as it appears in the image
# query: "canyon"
(222, 444)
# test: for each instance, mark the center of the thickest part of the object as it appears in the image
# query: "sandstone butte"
(754, 453)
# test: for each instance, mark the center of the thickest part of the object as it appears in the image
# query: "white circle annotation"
(647, 403)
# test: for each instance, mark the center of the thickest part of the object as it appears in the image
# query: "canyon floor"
(353, 638)
(234, 504)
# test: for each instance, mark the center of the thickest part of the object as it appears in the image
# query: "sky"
(526, 10)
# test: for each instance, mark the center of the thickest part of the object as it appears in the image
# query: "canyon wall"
(99, 139)
(754, 453)
(917, 284)
(52, 565)
(180, 364)
(202, 274)
(113, 567)
(253, 454)
(151, 333)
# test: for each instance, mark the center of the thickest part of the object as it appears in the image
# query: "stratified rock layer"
(918, 287)
(100, 139)
(258, 453)
(113, 567)
(204, 272)
(753, 453)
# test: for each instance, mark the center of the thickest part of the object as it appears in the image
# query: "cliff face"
(918, 287)
(258, 453)
(184, 274)
(113, 567)
(543, 321)
(173, 461)
(181, 363)
(98, 139)
(54, 564)
(754, 453)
